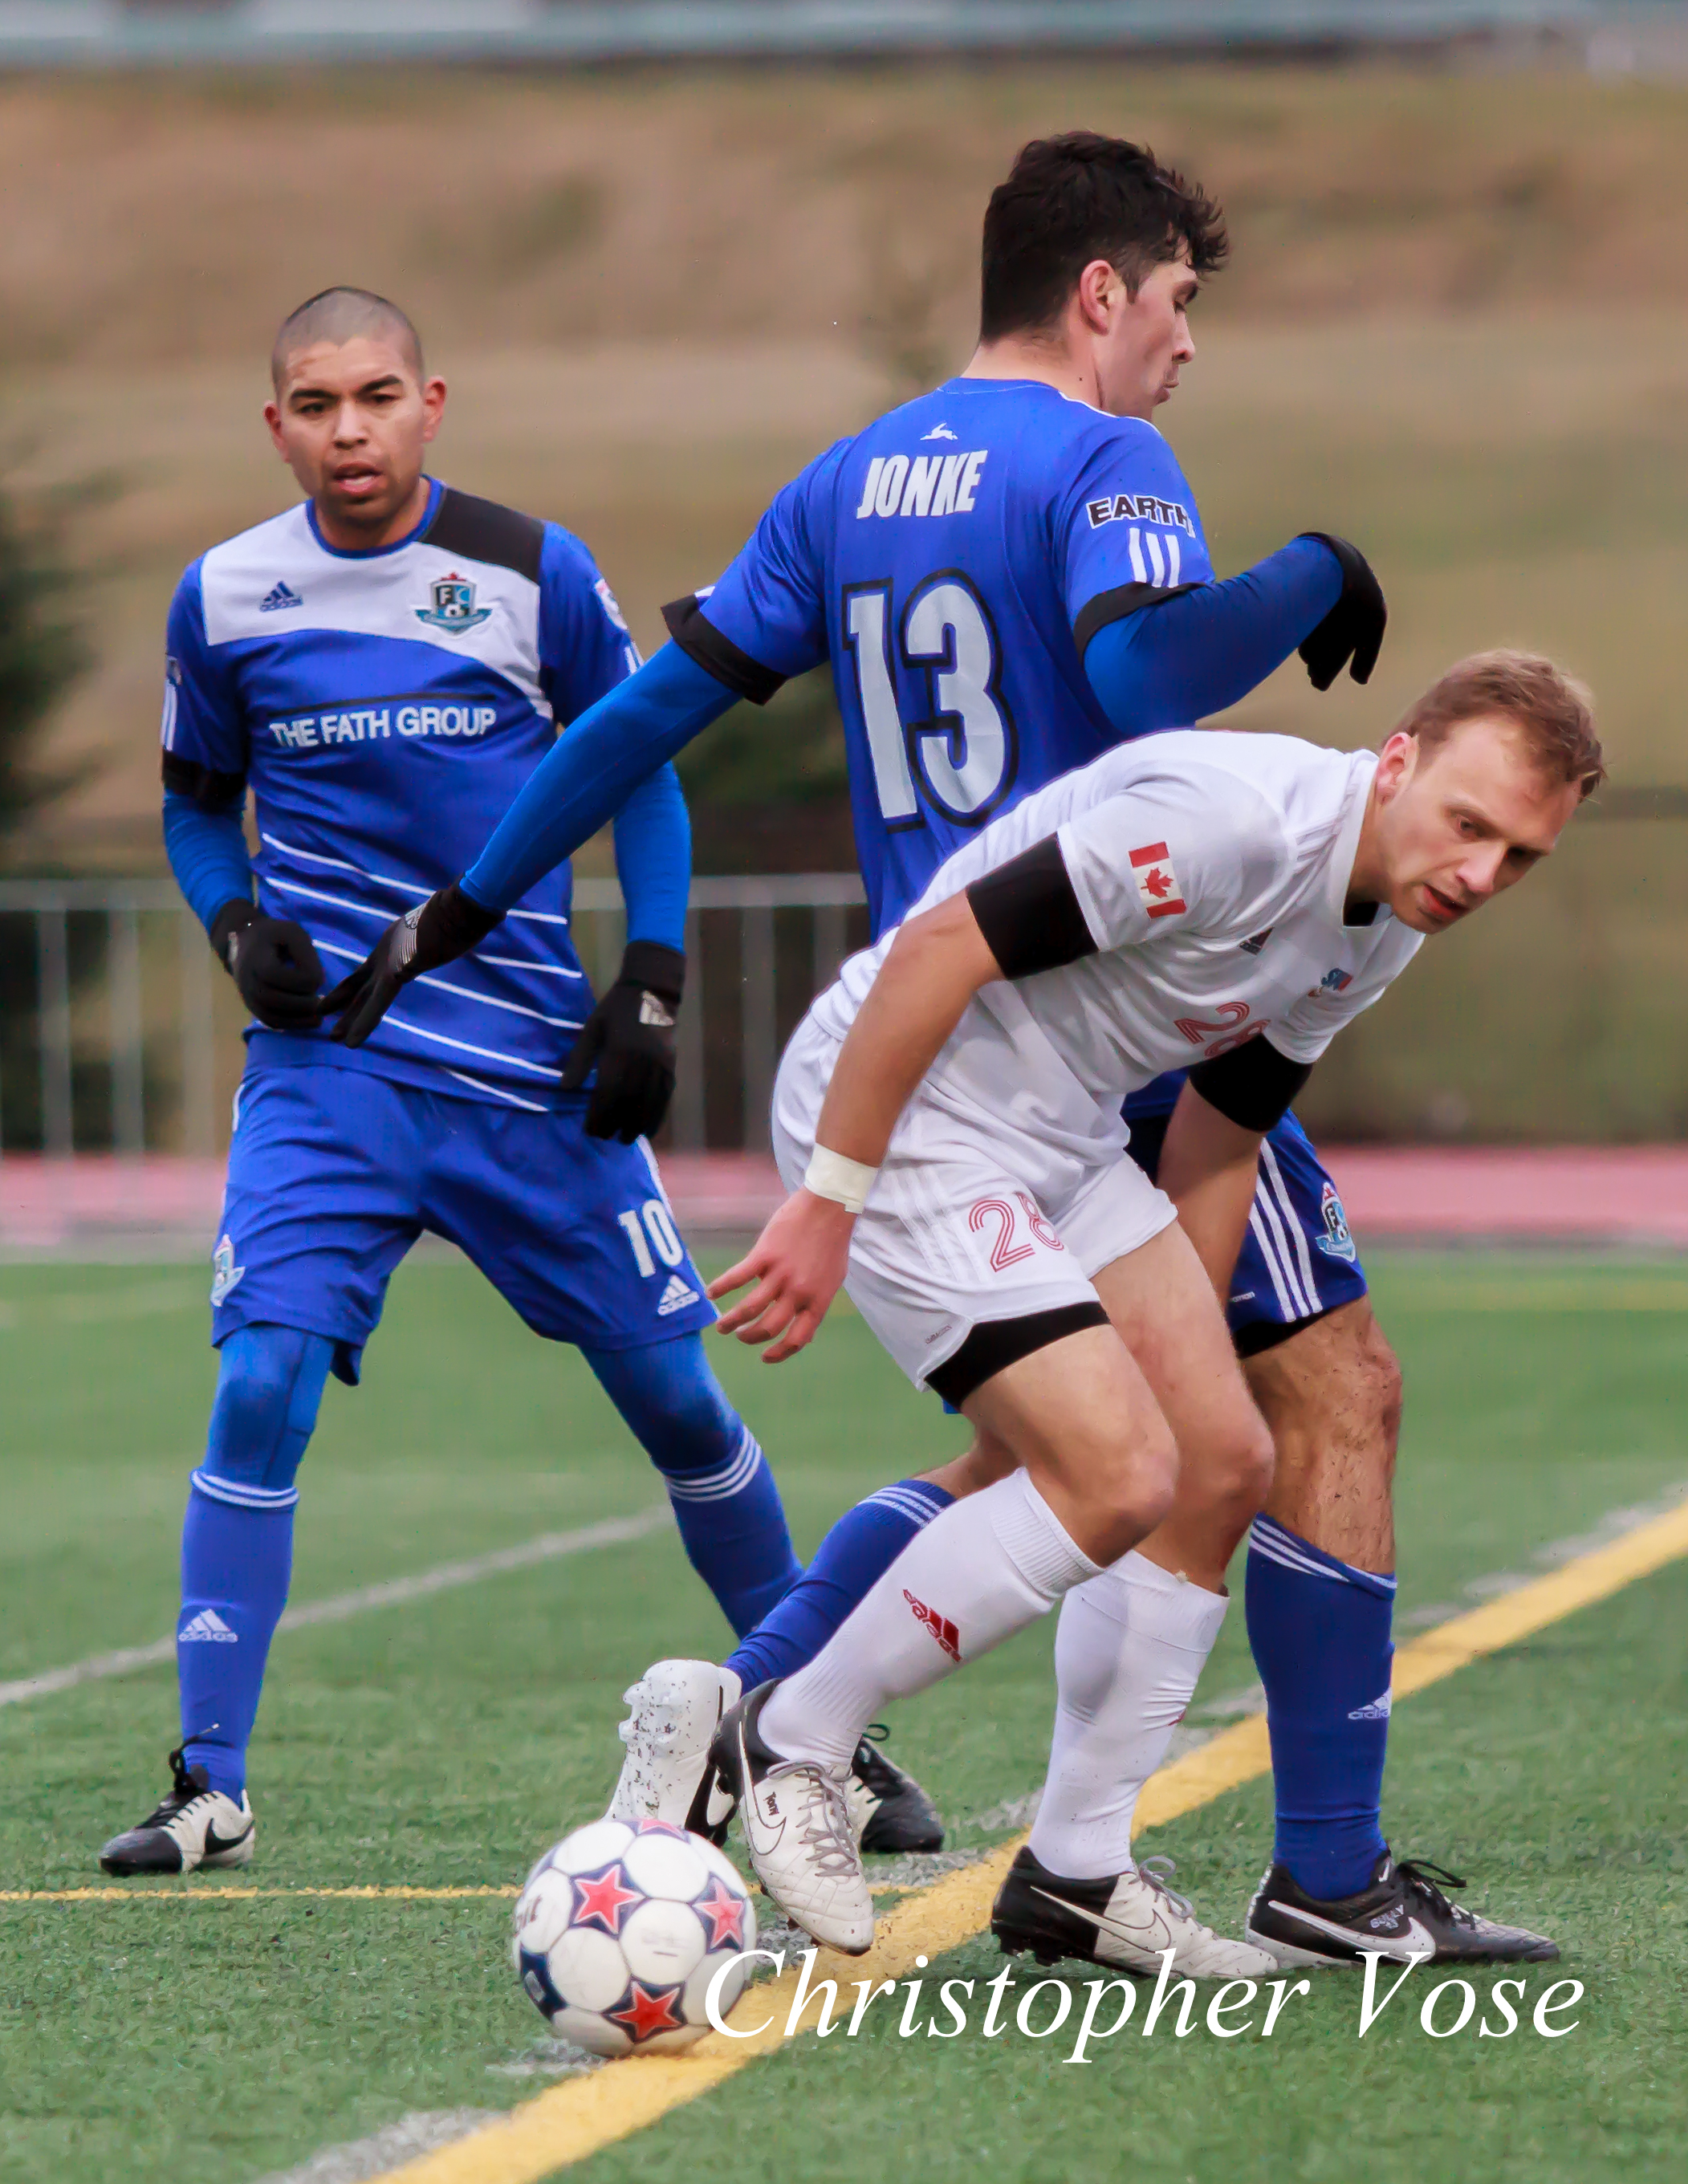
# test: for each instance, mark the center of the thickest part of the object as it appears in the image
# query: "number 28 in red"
(1008, 1249)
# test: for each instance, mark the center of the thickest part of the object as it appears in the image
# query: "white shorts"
(969, 1221)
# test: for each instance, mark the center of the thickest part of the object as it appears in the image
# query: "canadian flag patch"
(1157, 883)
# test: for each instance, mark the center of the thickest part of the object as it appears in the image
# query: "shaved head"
(337, 316)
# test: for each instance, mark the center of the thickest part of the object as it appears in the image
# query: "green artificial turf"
(444, 1743)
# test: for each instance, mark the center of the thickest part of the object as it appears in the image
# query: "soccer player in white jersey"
(947, 1118)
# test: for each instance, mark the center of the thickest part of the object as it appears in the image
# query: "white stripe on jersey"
(370, 595)
(417, 895)
(463, 993)
(1293, 1220)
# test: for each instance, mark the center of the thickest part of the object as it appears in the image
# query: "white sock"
(982, 1570)
(1130, 1646)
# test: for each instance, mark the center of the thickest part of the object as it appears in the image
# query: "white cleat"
(797, 1829)
(193, 1825)
(1130, 1919)
(677, 1707)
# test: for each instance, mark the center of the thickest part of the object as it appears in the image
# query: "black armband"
(700, 639)
(1252, 1084)
(1115, 606)
(201, 784)
(1029, 914)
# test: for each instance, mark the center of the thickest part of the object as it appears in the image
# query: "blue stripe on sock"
(851, 1560)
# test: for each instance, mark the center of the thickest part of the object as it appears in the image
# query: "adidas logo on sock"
(674, 1295)
(208, 1627)
(1379, 1710)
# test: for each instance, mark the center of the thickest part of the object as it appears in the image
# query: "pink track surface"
(1636, 1195)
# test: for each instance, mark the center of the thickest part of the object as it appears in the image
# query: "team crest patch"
(225, 1273)
(453, 608)
(1329, 987)
(1337, 1242)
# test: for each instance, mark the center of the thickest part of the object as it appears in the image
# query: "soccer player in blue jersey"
(384, 667)
(1008, 576)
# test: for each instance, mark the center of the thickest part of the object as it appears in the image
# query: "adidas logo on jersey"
(930, 485)
(208, 1627)
(677, 1295)
(281, 595)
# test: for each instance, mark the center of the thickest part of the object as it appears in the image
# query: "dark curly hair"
(1074, 198)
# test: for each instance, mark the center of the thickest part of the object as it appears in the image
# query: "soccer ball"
(620, 1931)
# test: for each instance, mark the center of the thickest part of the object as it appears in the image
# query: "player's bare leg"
(1331, 1395)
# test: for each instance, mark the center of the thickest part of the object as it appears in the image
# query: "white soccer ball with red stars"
(620, 1930)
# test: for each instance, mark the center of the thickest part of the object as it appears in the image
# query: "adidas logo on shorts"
(675, 1296)
(208, 1627)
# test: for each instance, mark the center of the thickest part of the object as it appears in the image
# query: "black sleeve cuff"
(210, 790)
(1114, 606)
(1028, 913)
(234, 915)
(654, 965)
(1252, 1085)
(700, 639)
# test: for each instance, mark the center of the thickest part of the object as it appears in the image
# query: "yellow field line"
(572, 2120)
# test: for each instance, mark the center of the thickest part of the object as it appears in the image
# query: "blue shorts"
(1298, 1261)
(334, 1173)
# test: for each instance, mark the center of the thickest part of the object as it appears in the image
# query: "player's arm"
(1210, 1157)
(1022, 919)
(271, 959)
(1161, 655)
(769, 599)
(627, 1044)
(934, 967)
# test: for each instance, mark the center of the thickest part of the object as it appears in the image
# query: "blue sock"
(237, 1539)
(725, 1500)
(1320, 1630)
(849, 1563)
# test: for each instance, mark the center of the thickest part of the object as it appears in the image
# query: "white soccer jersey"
(1212, 870)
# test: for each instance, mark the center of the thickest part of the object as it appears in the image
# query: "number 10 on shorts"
(654, 1221)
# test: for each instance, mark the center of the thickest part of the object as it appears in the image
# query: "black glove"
(274, 964)
(438, 931)
(630, 1037)
(1355, 624)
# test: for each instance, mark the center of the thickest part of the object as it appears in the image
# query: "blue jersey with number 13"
(952, 562)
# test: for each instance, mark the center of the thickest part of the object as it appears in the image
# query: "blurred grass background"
(1455, 328)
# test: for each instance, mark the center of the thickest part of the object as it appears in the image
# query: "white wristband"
(845, 1182)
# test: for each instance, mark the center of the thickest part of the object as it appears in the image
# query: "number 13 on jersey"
(959, 756)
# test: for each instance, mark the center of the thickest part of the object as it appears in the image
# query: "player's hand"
(1351, 634)
(629, 1038)
(274, 964)
(438, 931)
(798, 1265)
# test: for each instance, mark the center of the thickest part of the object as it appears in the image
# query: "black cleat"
(887, 1808)
(1126, 1920)
(194, 1826)
(1402, 1914)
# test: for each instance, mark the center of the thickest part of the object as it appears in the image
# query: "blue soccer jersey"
(385, 708)
(952, 562)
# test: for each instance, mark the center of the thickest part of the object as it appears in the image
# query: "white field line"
(383, 2150)
(396, 1593)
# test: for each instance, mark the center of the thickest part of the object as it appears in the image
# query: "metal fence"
(118, 1034)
